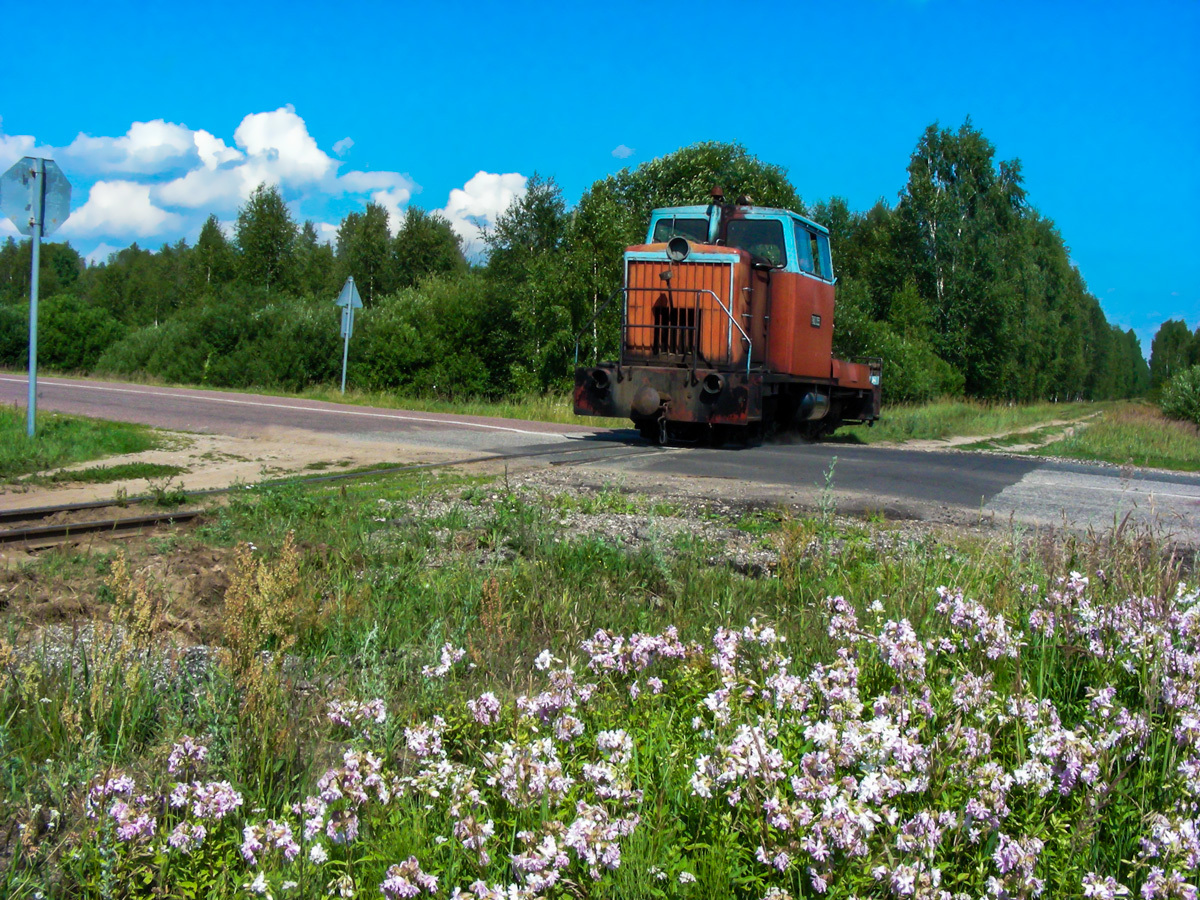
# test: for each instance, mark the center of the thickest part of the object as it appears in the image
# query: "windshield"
(692, 229)
(761, 238)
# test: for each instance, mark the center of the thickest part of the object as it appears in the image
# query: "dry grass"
(943, 419)
(1135, 434)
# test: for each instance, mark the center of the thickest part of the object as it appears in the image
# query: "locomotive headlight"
(678, 249)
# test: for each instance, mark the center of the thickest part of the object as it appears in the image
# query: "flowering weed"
(882, 715)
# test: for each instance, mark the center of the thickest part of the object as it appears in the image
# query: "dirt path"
(963, 440)
(216, 461)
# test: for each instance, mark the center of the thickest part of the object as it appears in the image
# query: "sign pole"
(347, 318)
(36, 195)
(349, 301)
(37, 207)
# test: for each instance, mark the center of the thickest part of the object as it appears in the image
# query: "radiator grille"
(670, 322)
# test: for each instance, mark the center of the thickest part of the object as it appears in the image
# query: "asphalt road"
(254, 415)
(1027, 490)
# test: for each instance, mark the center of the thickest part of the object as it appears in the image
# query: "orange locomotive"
(728, 322)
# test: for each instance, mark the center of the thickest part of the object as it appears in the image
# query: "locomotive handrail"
(732, 324)
(695, 347)
(874, 364)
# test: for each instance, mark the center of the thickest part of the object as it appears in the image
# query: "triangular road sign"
(349, 295)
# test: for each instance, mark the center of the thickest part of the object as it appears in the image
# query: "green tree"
(316, 263)
(612, 214)
(688, 176)
(364, 251)
(965, 210)
(425, 244)
(1170, 351)
(214, 260)
(59, 269)
(534, 225)
(266, 240)
(527, 264)
(139, 287)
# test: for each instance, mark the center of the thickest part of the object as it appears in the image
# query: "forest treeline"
(962, 286)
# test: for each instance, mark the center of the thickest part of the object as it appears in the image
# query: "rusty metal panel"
(678, 390)
(801, 329)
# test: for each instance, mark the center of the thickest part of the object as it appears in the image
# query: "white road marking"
(308, 409)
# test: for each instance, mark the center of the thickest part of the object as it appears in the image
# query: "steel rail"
(47, 535)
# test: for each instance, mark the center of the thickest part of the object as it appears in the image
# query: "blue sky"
(453, 105)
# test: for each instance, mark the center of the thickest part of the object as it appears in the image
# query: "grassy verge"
(1133, 434)
(63, 441)
(588, 695)
(534, 407)
(943, 419)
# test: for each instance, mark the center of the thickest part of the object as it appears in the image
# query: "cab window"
(761, 238)
(692, 229)
(804, 249)
(824, 257)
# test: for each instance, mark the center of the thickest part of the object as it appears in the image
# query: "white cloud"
(479, 202)
(212, 150)
(14, 147)
(278, 144)
(394, 200)
(161, 179)
(120, 208)
(274, 148)
(148, 148)
(623, 152)
(204, 189)
(327, 232)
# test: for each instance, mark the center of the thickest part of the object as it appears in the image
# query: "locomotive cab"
(728, 321)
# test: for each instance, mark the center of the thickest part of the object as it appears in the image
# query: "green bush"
(912, 371)
(388, 347)
(14, 335)
(1181, 397)
(72, 334)
(235, 341)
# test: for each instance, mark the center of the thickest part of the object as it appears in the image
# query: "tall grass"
(1133, 434)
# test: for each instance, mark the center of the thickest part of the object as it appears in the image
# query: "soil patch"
(218, 461)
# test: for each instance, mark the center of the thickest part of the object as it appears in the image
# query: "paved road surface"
(252, 415)
(1032, 491)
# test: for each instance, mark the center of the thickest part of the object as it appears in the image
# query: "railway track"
(32, 536)
(40, 537)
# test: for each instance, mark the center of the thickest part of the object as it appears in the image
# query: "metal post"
(38, 208)
(347, 318)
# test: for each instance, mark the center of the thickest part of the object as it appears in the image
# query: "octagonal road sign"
(17, 199)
